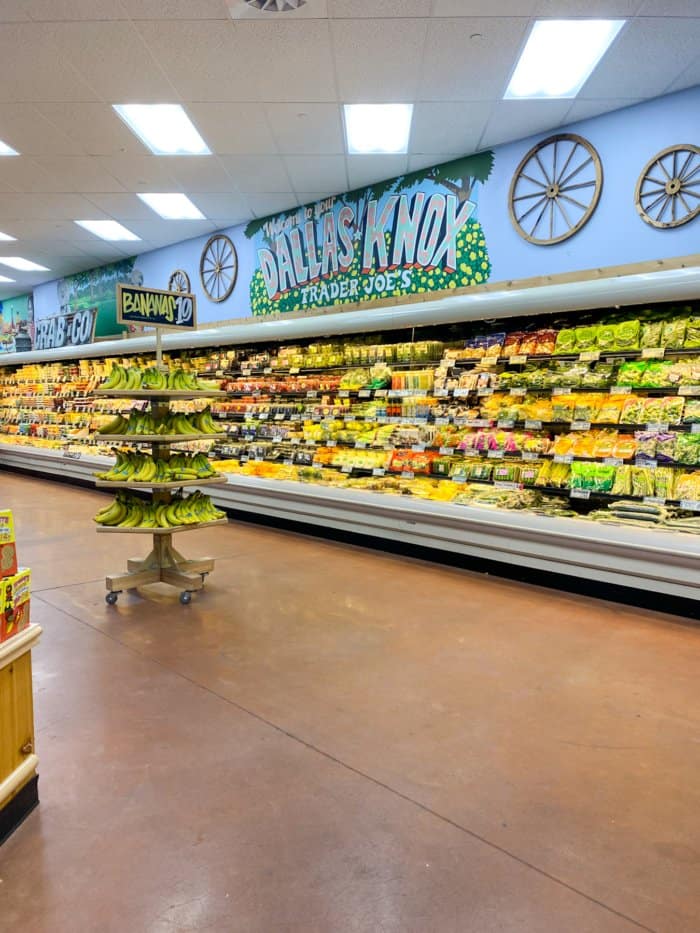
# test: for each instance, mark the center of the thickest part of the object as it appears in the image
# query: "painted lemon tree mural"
(414, 234)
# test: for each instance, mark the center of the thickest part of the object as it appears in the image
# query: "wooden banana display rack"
(163, 564)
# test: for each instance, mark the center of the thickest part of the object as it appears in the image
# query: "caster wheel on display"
(111, 598)
(185, 597)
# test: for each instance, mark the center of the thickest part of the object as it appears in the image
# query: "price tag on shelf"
(505, 423)
(693, 505)
(529, 455)
(72, 454)
(407, 474)
(589, 356)
(580, 425)
(343, 393)
(613, 461)
(446, 451)
(644, 462)
(518, 359)
(442, 421)
(494, 454)
(309, 442)
(478, 423)
(295, 417)
(316, 464)
(288, 461)
(621, 390)
(312, 393)
(418, 448)
(506, 484)
(660, 427)
(580, 493)
(296, 440)
(331, 443)
(263, 415)
(654, 500)
(533, 425)
(360, 445)
(689, 390)
(365, 393)
(380, 393)
(561, 390)
(279, 416)
(378, 471)
(695, 429)
(481, 392)
(441, 393)
(346, 468)
(461, 393)
(563, 458)
(267, 370)
(518, 390)
(293, 370)
(380, 419)
(653, 353)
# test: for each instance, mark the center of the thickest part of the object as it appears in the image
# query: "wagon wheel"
(555, 189)
(218, 267)
(179, 281)
(668, 190)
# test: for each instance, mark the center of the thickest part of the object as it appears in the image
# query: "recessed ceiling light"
(107, 229)
(6, 237)
(172, 206)
(24, 265)
(4, 278)
(377, 128)
(164, 128)
(6, 150)
(560, 55)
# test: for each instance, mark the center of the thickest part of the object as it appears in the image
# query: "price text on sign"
(155, 308)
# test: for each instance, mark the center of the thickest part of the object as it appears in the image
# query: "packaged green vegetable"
(627, 335)
(545, 474)
(560, 474)
(566, 341)
(586, 338)
(642, 481)
(673, 334)
(606, 336)
(655, 376)
(687, 449)
(630, 374)
(664, 482)
(622, 484)
(692, 333)
(651, 334)
(691, 412)
(673, 409)
(632, 410)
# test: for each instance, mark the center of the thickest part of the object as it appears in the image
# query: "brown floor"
(331, 739)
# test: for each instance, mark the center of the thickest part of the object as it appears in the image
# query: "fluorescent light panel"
(6, 150)
(24, 265)
(172, 206)
(164, 128)
(7, 237)
(4, 278)
(377, 128)
(559, 57)
(107, 229)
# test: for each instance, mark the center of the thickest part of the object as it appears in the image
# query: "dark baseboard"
(19, 808)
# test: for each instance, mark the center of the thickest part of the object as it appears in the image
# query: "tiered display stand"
(163, 564)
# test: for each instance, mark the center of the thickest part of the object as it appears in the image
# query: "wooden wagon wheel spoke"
(557, 201)
(526, 197)
(566, 164)
(694, 172)
(539, 217)
(542, 169)
(533, 180)
(533, 208)
(573, 201)
(673, 172)
(686, 164)
(575, 171)
(651, 191)
(650, 207)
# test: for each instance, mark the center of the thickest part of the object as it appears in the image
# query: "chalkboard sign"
(153, 307)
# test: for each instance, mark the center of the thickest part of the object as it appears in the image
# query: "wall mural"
(16, 324)
(413, 234)
(96, 290)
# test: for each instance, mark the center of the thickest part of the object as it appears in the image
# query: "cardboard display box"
(14, 603)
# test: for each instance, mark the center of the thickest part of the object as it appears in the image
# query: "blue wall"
(615, 234)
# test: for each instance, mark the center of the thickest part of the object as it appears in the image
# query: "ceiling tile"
(370, 67)
(687, 78)
(246, 60)
(518, 119)
(176, 9)
(668, 8)
(458, 68)
(448, 127)
(25, 174)
(44, 207)
(32, 67)
(263, 203)
(114, 61)
(258, 173)
(310, 197)
(418, 162)
(94, 128)
(199, 173)
(121, 207)
(377, 9)
(446, 8)
(57, 11)
(78, 173)
(141, 173)
(233, 128)
(314, 129)
(368, 169)
(14, 11)
(585, 109)
(224, 210)
(324, 172)
(606, 8)
(175, 229)
(24, 128)
(635, 66)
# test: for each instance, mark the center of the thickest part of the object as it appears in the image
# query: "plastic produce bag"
(631, 374)
(664, 483)
(566, 341)
(642, 481)
(673, 334)
(651, 334)
(586, 338)
(622, 484)
(692, 333)
(606, 336)
(627, 335)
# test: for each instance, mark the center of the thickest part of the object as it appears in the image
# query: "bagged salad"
(673, 334)
(566, 341)
(622, 484)
(627, 335)
(692, 333)
(642, 481)
(606, 336)
(687, 449)
(651, 334)
(665, 483)
(586, 338)
(631, 373)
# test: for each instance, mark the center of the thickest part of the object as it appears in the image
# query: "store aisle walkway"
(330, 739)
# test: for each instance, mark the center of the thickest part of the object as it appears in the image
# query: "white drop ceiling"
(266, 93)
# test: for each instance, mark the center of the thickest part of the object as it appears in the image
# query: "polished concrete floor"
(330, 739)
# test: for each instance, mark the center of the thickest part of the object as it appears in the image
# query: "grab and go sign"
(152, 307)
(65, 330)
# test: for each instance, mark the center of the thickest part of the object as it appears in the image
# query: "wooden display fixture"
(163, 564)
(18, 760)
(169, 394)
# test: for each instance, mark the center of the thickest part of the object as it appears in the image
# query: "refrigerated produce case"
(547, 436)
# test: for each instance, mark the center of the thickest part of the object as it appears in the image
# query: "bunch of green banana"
(192, 510)
(117, 425)
(142, 468)
(154, 378)
(128, 511)
(183, 381)
(204, 422)
(140, 422)
(176, 424)
(123, 378)
(180, 466)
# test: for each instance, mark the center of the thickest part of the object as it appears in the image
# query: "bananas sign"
(153, 307)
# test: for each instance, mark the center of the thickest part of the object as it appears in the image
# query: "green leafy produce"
(687, 449)
(642, 481)
(656, 375)
(596, 477)
(566, 341)
(586, 338)
(692, 333)
(651, 334)
(630, 374)
(691, 414)
(627, 335)
(673, 335)
(607, 336)
(622, 484)
(664, 482)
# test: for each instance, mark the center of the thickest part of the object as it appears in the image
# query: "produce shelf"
(157, 438)
(155, 394)
(172, 530)
(174, 484)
